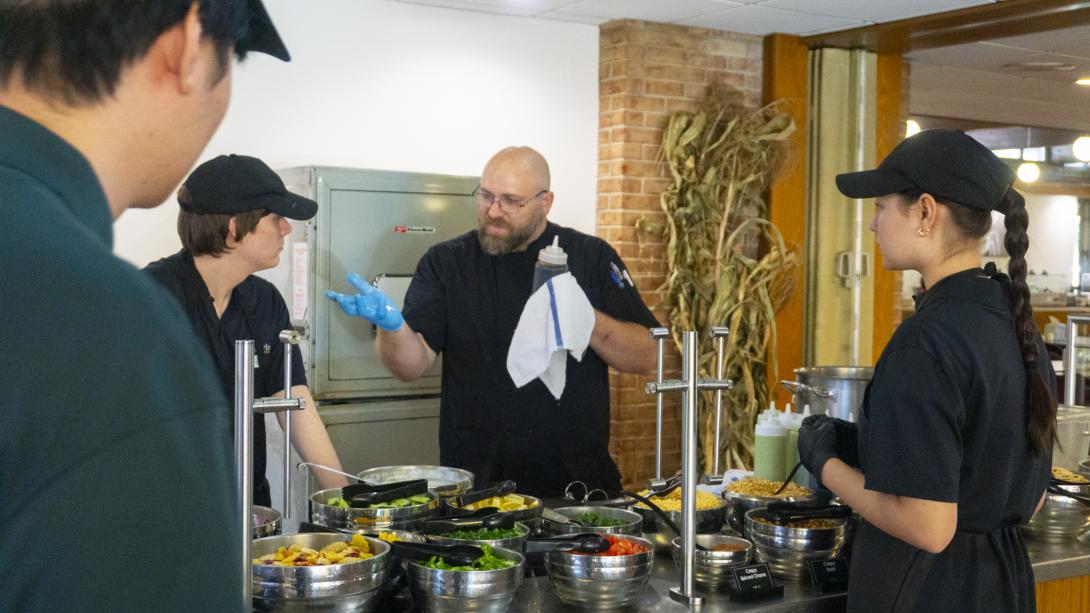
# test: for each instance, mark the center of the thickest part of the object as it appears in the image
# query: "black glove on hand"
(847, 442)
(817, 442)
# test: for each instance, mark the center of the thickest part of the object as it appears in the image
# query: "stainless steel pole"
(1071, 356)
(719, 333)
(288, 337)
(659, 334)
(686, 593)
(244, 457)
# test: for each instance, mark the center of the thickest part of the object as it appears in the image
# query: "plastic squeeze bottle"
(803, 476)
(770, 440)
(791, 422)
(551, 261)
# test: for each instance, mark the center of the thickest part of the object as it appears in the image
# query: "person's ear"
(178, 51)
(232, 232)
(929, 210)
(546, 202)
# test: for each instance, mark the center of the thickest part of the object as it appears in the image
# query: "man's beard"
(499, 245)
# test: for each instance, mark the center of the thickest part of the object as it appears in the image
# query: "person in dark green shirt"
(117, 489)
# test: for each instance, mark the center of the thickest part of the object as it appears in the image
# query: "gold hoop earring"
(923, 233)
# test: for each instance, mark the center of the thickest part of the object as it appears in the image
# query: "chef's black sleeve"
(913, 443)
(425, 308)
(611, 289)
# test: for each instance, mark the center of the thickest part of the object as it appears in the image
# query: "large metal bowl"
(631, 528)
(352, 586)
(364, 521)
(713, 567)
(1084, 468)
(662, 535)
(787, 550)
(740, 504)
(531, 516)
(600, 582)
(515, 543)
(458, 591)
(443, 481)
(266, 522)
(1061, 518)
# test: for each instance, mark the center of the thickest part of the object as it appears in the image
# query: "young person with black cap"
(117, 484)
(233, 220)
(954, 443)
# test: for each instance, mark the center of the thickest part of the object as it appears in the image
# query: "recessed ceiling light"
(912, 127)
(1081, 148)
(1082, 81)
(1038, 67)
(1028, 172)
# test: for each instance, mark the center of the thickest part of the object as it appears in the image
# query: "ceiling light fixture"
(1038, 67)
(1082, 81)
(912, 127)
(1081, 148)
(1028, 172)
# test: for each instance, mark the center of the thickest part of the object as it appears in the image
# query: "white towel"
(556, 321)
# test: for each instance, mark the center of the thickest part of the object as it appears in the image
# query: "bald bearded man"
(465, 301)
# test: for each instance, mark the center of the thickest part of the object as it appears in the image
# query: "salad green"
(599, 521)
(393, 504)
(488, 561)
(485, 534)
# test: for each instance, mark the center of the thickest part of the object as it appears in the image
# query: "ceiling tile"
(537, 6)
(466, 5)
(1075, 41)
(561, 16)
(872, 10)
(648, 10)
(763, 20)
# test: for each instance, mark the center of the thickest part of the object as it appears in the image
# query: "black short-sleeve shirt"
(256, 311)
(943, 419)
(467, 304)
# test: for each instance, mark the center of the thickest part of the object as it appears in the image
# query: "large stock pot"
(836, 391)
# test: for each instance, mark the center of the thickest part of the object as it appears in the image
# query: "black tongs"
(577, 543)
(784, 512)
(1054, 487)
(455, 555)
(496, 489)
(488, 517)
(365, 494)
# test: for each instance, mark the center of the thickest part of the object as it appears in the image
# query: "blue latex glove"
(370, 304)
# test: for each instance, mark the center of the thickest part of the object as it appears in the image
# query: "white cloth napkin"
(556, 321)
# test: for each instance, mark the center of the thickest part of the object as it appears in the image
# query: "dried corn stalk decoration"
(727, 264)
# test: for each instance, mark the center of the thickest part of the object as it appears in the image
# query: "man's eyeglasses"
(508, 204)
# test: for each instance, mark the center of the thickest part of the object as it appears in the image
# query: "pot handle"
(795, 387)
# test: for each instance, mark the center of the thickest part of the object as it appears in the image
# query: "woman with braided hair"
(954, 444)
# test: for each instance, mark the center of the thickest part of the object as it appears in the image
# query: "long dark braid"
(1040, 401)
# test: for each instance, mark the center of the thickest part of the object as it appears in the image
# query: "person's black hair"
(1040, 420)
(75, 50)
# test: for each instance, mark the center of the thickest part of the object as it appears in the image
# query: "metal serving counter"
(1051, 561)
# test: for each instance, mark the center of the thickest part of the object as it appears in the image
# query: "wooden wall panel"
(1070, 595)
(787, 78)
(889, 130)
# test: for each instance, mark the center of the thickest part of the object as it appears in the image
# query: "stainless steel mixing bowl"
(352, 586)
(361, 521)
(473, 591)
(788, 549)
(1061, 518)
(631, 526)
(443, 481)
(600, 582)
(713, 567)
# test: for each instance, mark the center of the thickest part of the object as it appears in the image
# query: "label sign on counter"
(829, 575)
(754, 582)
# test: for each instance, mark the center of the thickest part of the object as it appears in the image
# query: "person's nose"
(873, 223)
(495, 211)
(285, 227)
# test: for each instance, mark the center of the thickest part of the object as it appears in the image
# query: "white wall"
(388, 85)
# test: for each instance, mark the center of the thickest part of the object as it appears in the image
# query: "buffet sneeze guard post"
(690, 386)
(245, 407)
(659, 334)
(1071, 357)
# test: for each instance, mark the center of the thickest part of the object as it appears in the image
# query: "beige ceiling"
(970, 81)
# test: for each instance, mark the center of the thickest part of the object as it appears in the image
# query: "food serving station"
(427, 538)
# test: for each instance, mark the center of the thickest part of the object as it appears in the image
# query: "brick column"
(648, 71)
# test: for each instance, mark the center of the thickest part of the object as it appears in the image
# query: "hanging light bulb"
(1081, 148)
(1028, 172)
(912, 127)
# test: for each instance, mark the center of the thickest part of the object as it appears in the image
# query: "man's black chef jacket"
(467, 304)
(943, 419)
(256, 311)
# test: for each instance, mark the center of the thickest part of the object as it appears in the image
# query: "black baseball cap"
(261, 35)
(238, 183)
(948, 164)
